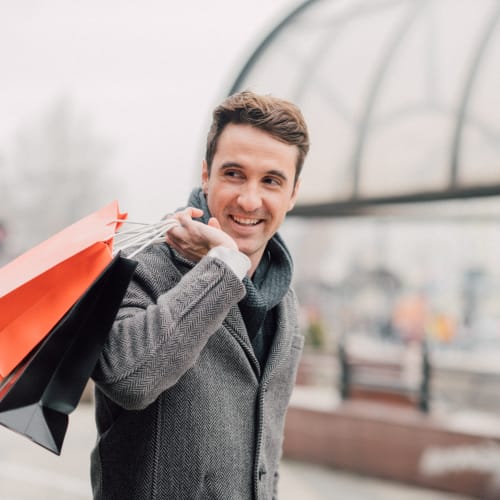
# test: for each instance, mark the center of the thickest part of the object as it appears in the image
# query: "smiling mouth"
(245, 221)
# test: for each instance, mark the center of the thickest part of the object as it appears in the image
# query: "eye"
(233, 173)
(272, 181)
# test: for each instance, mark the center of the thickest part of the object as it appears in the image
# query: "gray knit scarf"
(265, 290)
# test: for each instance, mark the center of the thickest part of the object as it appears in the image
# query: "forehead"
(249, 146)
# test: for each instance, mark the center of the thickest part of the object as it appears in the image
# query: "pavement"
(29, 472)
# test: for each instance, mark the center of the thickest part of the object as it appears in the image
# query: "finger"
(213, 222)
(184, 217)
(171, 233)
(190, 211)
(196, 212)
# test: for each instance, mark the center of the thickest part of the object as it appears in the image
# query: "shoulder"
(289, 307)
(291, 299)
(156, 271)
(154, 256)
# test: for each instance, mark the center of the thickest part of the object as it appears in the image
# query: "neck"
(255, 261)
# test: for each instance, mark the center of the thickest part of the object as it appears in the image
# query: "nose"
(249, 198)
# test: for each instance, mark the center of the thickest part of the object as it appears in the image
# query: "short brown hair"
(278, 117)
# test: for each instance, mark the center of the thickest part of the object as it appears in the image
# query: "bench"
(392, 374)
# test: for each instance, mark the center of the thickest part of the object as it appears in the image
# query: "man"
(194, 381)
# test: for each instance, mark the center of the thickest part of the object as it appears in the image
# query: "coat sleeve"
(163, 324)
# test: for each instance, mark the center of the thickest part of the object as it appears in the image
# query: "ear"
(204, 177)
(295, 193)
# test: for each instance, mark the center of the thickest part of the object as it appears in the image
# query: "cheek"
(217, 200)
(278, 211)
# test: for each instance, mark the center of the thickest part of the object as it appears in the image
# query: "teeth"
(246, 222)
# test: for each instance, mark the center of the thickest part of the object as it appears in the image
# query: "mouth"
(245, 221)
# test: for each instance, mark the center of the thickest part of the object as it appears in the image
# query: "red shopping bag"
(39, 287)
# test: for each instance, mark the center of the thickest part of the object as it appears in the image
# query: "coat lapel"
(282, 339)
(236, 326)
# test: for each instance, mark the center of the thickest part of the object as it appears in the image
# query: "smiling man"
(195, 379)
(250, 185)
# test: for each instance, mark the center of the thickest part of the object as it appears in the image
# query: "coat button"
(262, 473)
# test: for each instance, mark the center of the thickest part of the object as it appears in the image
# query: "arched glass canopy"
(402, 98)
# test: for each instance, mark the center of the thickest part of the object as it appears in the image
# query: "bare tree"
(56, 174)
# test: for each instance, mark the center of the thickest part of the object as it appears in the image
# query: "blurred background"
(396, 233)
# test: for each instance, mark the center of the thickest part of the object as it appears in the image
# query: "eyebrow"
(274, 172)
(230, 164)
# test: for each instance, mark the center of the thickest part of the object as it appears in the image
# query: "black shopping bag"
(37, 398)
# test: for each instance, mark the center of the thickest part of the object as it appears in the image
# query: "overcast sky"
(146, 74)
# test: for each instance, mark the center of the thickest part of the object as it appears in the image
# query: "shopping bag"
(41, 285)
(37, 398)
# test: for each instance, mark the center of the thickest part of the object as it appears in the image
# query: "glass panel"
(381, 85)
(480, 147)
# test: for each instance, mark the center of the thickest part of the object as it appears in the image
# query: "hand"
(193, 239)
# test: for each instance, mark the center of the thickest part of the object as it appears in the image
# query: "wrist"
(237, 261)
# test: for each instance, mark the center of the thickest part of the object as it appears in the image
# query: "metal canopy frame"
(356, 203)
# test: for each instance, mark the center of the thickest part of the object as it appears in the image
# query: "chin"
(243, 248)
(248, 250)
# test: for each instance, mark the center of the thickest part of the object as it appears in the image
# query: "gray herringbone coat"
(182, 410)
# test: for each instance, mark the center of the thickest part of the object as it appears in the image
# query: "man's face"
(251, 186)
